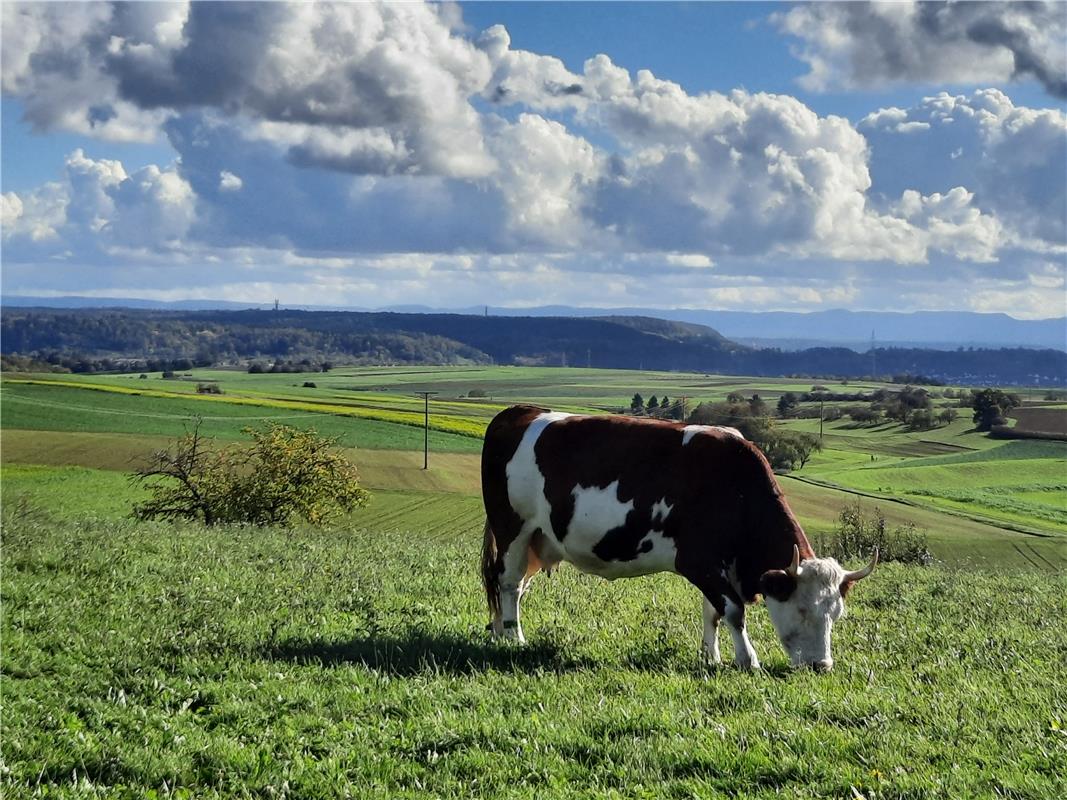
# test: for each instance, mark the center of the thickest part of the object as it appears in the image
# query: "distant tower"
(487, 311)
(275, 303)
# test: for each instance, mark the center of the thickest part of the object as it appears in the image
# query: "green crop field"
(168, 660)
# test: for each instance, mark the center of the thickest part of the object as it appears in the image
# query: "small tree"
(757, 407)
(653, 404)
(735, 397)
(991, 407)
(948, 416)
(285, 473)
(637, 404)
(786, 403)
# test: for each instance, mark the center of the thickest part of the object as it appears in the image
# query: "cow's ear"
(845, 586)
(777, 583)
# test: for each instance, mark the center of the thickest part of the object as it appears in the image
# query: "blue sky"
(596, 154)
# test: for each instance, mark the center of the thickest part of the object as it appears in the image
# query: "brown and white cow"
(621, 496)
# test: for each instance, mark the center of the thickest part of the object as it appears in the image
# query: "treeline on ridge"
(98, 339)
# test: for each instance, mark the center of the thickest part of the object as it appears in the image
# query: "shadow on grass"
(420, 653)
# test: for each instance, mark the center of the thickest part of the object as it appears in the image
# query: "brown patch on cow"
(845, 587)
(777, 583)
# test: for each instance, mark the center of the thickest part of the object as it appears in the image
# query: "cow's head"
(804, 600)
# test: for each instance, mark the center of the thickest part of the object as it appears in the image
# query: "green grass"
(152, 660)
(68, 492)
(977, 486)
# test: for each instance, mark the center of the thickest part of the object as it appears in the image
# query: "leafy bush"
(857, 535)
(285, 473)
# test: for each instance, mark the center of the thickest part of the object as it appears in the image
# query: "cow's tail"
(491, 572)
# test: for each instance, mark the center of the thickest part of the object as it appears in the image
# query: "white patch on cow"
(689, 431)
(598, 511)
(729, 430)
(526, 483)
(805, 619)
(661, 509)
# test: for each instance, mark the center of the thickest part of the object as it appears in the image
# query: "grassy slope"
(240, 662)
(965, 505)
(59, 408)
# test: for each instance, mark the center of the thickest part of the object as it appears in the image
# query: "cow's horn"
(863, 573)
(792, 570)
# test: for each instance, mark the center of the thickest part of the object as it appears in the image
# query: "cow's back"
(616, 495)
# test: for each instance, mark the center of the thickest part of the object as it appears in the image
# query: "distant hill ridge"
(945, 330)
(627, 342)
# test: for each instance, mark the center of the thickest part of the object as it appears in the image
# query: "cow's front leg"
(744, 655)
(711, 632)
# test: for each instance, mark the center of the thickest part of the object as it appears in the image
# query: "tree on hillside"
(785, 450)
(637, 404)
(786, 403)
(653, 404)
(757, 407)
(285, 473)
(991, 407)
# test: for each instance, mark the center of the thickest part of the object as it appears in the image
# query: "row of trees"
(655, 407)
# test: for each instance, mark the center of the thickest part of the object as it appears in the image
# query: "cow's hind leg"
(711, 632)
(514, 579)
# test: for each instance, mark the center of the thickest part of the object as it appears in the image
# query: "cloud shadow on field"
(420, 652)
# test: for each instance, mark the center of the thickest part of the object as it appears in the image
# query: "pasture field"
(160, 660)
(982, 500)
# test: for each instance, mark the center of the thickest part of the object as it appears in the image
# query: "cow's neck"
(770, 545)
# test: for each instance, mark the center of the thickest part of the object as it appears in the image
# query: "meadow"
(173, 661)
(149, 659)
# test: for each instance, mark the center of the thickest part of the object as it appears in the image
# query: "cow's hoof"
(709, 656)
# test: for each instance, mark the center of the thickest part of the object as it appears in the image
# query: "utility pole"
(822, 403)
(426, 428)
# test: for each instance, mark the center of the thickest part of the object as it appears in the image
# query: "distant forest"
(93, 339)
